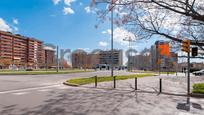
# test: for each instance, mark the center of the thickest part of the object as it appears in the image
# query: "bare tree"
(173, 19)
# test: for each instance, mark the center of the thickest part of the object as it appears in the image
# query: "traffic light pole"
(186, 48)
(188, 76)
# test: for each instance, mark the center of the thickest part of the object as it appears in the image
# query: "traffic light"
(194, 51)
(186, 46)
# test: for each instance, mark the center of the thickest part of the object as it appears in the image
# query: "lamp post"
(130, 40)
(112, 40)
(57, 59)
(111, 9)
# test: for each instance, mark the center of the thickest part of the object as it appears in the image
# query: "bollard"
(114, 82)
(95, 80)
(135, 83)
(160, 85)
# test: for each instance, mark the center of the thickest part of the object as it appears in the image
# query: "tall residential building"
(141, 62)
(162, 58)
(105, 57)
(82, 59)
(49, 57)
(79, 59)
(19, 51)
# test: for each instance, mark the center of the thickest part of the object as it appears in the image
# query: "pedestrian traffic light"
(194, 51)
(186, 46)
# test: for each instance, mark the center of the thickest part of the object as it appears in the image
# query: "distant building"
(105, 57)
(162, 58)
(141, 62)
(49, 57)
(82, 59)
(18, 51)
(79, 59)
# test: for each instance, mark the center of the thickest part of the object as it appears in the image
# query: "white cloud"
(80, 3)
(87, 9)
(108, 31)
(4, 26)
(103, 44)
(68, 10)
(85, 49)
(15, 21)
(68, 2)
(119, 34)
(104, 32)
(56, 2)
(15, 28)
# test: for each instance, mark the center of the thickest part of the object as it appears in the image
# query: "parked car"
(201, 72)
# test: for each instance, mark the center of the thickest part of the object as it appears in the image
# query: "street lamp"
(130, 40)
(112, 40)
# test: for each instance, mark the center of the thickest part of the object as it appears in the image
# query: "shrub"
(29, 69)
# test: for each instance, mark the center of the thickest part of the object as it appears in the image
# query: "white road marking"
(184, 113)
(44, 90)
(28, 89)
(63, 87)
(20, 93)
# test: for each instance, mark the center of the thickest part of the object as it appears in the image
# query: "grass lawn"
(41, 72)
(83, 81)
(153, 72)
(198, 88)
(167, 72)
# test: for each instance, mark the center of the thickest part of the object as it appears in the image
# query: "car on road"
(201, 72)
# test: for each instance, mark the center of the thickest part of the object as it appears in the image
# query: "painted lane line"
(44, 90)
(63, 87)
(28, 89)
(20, 93)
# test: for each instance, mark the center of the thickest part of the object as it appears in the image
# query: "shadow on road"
(95, 101)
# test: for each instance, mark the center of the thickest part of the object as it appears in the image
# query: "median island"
(84, 81)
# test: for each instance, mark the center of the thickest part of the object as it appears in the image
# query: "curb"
(70, 84)
(197, 95)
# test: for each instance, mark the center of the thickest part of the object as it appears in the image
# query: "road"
(45, 95)
(17, 82)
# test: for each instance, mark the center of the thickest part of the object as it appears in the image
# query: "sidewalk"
(170, 83)
(149, 101)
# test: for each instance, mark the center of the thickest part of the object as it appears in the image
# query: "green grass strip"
(83, 81)
(38, 72)
(198, 88)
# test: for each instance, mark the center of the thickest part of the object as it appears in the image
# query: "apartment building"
(82, 59)
(105, 57)
(19, 51)
(162, 58)
(49, 57)
(78, 59)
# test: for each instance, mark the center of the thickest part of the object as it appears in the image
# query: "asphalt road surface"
(16, 82)
(46, 95)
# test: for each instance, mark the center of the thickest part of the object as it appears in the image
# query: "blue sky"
(67, 23)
